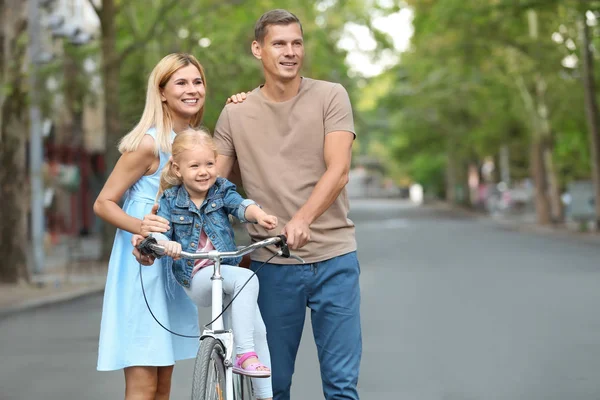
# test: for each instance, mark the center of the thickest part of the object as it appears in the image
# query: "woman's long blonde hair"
(156, 113)
(186, 140)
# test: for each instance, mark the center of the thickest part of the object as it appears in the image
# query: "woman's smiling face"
(184, 92)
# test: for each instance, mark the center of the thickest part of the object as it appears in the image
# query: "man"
(292, 138)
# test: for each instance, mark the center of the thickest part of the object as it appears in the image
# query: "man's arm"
(234, 174)
(225, 166)
(338, 155)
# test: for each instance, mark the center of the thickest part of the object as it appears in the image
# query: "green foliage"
(228, 62)
(460, 92)
(428, 170)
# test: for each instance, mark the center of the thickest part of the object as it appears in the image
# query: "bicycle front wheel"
(242, 388)
(209, 371)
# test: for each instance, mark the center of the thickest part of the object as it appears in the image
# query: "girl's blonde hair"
(156, 113)
(186, 140)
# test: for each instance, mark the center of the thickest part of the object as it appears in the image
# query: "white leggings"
(249, 329)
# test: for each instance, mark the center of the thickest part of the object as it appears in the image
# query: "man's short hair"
(273, 17)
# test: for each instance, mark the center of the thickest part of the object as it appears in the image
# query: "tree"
(591, 107)
(481, 76)
(13, 125)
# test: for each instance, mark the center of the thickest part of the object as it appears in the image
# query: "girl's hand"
(267, 221)
(172, 249)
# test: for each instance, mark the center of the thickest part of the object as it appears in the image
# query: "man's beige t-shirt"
(280, 149)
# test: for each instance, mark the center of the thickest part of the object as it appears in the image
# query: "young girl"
(197, 203)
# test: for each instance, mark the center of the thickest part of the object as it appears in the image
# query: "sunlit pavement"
(454, 308)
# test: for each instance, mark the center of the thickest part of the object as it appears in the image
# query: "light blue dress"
(129, 336)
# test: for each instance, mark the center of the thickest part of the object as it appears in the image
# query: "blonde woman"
(130, 339)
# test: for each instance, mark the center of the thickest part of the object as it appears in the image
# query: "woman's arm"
(129, 169)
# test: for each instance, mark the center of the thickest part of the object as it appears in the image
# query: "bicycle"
(213, 370)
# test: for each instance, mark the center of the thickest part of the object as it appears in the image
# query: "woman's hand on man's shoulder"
(237, 98)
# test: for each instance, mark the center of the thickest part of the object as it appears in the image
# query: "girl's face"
(184, 93)
(197, 168)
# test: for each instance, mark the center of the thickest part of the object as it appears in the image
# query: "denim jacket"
(187, 221)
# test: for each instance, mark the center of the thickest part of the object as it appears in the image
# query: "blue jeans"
(331, 290)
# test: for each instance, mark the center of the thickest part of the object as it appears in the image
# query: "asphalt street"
(453, 308)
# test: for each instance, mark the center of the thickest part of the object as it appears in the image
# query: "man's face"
(281, 52)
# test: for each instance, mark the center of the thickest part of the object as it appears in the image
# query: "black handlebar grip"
(144, 246)
(285, 250)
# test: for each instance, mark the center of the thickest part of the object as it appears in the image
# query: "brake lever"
(295, 257)
(145, 249)
(285, 250)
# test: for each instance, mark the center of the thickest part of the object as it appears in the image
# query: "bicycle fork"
(226, 338)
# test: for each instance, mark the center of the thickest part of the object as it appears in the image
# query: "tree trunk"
(537, 162)
(556, 207)
(591, 109)
(74, 100)
(111, 101)
(13, 179)
(452, 180)
(540, 162)
(539, 176)
(14, 191)
(545, 135)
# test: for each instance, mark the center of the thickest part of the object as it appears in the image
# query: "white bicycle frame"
(218, 331)
(218, 328)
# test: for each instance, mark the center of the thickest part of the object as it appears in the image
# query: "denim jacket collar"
(183, 198)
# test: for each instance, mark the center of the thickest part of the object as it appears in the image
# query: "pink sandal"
(252, 369)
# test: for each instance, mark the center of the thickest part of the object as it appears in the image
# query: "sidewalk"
(70, 271)
(522, 223)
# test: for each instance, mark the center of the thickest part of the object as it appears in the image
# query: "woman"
(129, 336)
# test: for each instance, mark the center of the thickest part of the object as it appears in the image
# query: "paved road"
(453, 309)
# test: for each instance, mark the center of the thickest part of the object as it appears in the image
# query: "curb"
(55, 298)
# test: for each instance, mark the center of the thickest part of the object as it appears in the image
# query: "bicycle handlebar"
(150, 247)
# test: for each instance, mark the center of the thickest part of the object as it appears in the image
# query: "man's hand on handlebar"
(141, 258)
(297, 233)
